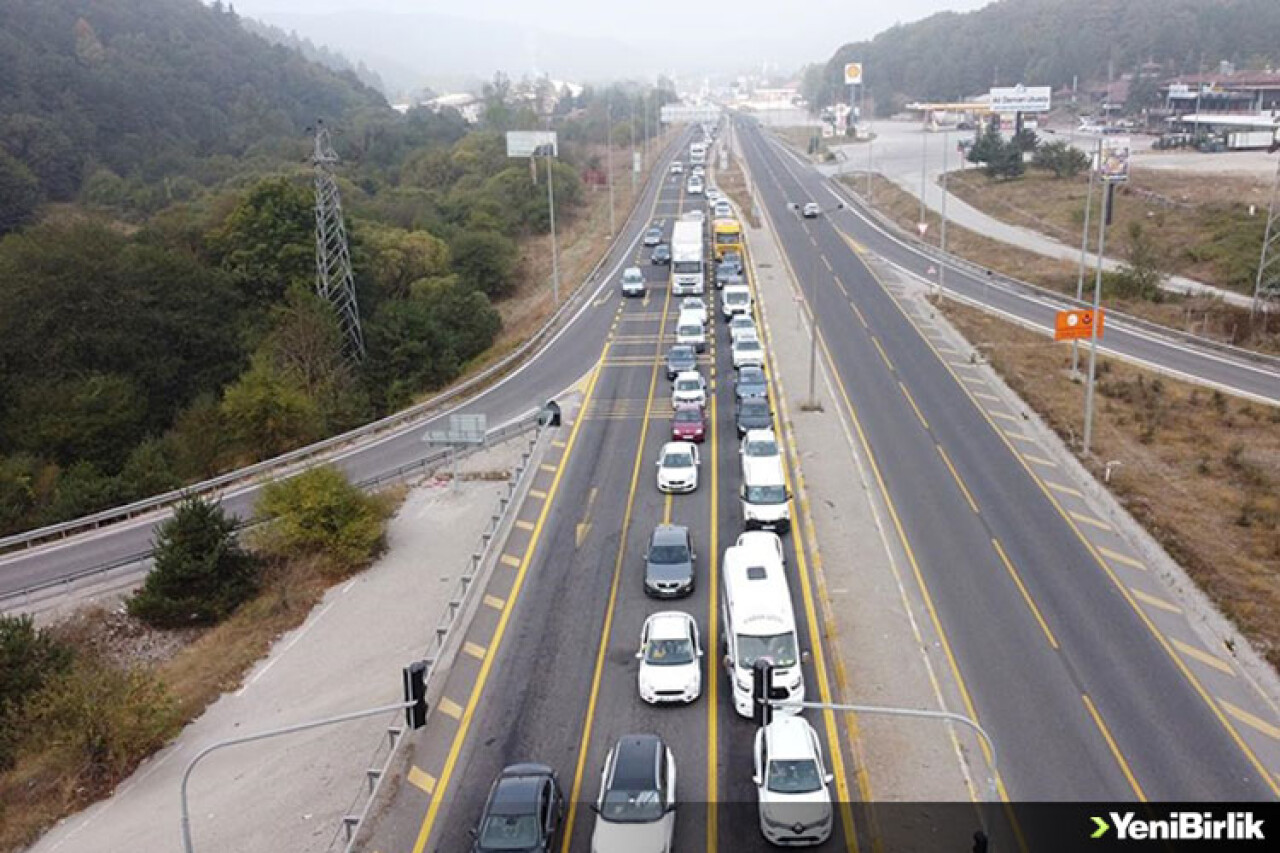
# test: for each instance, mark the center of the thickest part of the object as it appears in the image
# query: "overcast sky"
(639, 32)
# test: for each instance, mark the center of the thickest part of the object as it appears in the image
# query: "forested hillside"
(157, 317)
(1048, 42)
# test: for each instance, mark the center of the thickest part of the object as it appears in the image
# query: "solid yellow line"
(666, 510)
(1115, 750)
(1250, 720)
(594, 696)
(1090, 520)
(1118, 557)
(428, 822)
(1202, 656)
(1155, 601)
(1026, 596)
(884, 355)
(713, 645)
(973, 505)
(912, 401)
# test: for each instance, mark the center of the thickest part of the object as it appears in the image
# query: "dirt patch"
(1200, 471)
(734, 184)
(1199, 315)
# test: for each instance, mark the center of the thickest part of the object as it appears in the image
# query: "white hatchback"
(678, 467)
(792, 784)
(740, 325)
(694, 305)
(670, 658)
(690, 389)
(747, 350)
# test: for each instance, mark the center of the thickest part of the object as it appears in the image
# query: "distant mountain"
(1051, 42)
(322, 55)
(144, 87)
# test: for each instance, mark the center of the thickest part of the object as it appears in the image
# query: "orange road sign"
(1074, 325)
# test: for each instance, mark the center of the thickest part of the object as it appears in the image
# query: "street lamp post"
(633, 144)
(1084, 249)
(924, 160)
(608, 154)
(551, 205)
(942, 239)
(1107, 193)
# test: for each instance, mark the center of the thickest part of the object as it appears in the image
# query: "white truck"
(698, 154)
(688, 269)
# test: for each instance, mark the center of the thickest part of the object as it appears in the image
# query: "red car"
(689, 424)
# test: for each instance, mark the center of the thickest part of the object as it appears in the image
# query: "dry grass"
(1199, 315)
(1199, 470)
(193, 668)
(733, 183)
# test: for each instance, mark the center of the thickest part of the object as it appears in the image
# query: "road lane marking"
(1066, 490)
(538, 493)
(973, 505)
(1020, 436)
(1090, 520)
(991, 398)
(421, 779)
(884, 355)
(858, 313)
(713, 644)
(1251, 721)
(557, 443)
(1039, 460)
(828, 263)
(524, 525)
(1155, 601)
(973, 380)
(1201, 655)
(510, 560)
(1115, 749)
(549, 468)
(455, 749)
(1120, 558)
(1026, 596)
(914, 407)
(996, 413)
(494, 602)
(449, 708)
(476, 650)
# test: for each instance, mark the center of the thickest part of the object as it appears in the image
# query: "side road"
(291, 793)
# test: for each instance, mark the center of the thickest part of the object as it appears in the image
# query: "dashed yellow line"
(1026, 596)
(858, 313)
(959, 482)
(494, 602)
(1201, 655)
(476, 650)
(1155, 601)
(884, 355)
(524, 525)
(537, 493)
(1040, 460)
(1090, 520)
(510, 560)
(449, 708)
(1115, 750)
(1066, 490)
(548, 467)
(1118, 557)
(421, 779)
(1004, 416)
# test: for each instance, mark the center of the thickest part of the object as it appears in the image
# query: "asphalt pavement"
(1060, 662)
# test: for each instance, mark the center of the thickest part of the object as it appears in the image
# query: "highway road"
(1062, 664)
(547, 373)
(560, 686)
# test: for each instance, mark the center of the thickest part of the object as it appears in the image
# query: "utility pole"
(1084, 249)
(1107, 193)
(924, 160)
(633, 144)
(334, 280)
(608, 107)
(551, 205)
(942, 239)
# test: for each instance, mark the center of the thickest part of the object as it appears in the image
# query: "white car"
(722, 210)
(636, 810)
(694, 185)
(670, 658)
(693, 216)
(735, 299)
(792, 783)
(690, 331)
(694, 305)
(747, 350)
(689, 389)
(742, 324)
(811, 210)
(760, 444)
(633, 282)
(677, 167)
(678, 467)
(763, 539)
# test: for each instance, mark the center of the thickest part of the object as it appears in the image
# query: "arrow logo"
(1102, 825)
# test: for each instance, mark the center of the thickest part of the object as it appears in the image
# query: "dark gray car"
(668, 564)
(753, 413)
(660, 255)
(750, 383)
(680, 358)
(729, 274)
(524, 812)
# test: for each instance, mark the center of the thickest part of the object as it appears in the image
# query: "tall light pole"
(1107, 192)
(924, 160)
(633, 144)
(1084, 249)
(608, 154)
(551, 205)
(942, 239)
(1270, 240)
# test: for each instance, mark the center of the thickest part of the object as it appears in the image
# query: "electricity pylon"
(334, 280)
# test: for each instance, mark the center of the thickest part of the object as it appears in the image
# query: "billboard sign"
(852, 73)
(1020, 99)
(527, 143)
(1114, 166)
(1180, 91)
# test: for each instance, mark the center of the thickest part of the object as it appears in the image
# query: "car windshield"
(632, 277)
(762, 447)
(778, 648)
(681, 353)
(735, 298)
(677, 460)
(687, 385)
(694, 329)
(766, 495)
(693, 305)
(509, 832)
(799, 776)
(688, 416)
(677, 652)
(667, 555)
(688, 267)
(632, 806)
(748, 344)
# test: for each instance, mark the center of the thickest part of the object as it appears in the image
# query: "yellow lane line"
(524, 525)
(858, 313)
(1066, 490)
(476, 650)
(549, 468)
(449, 708)
(1115, 750)
(1090, 520)
(1026, 596)
(1250, 720)
(914, 407)
(607, 628)
(884, 355)
(494, 602)
(1005, 416)
(973, 505)
(421, 779)
(537, 493)
(713, 645)
(1040, 460)
(428, 822)
(1155, 601)
(1120, 558)
(1201, 655)
(510, 560)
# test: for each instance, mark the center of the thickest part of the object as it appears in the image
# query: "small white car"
(693, 216)
(811, 210)
(636, 810)
(792, 784)
(722, 210)
(633, 282)
(735, 299)
(742, 324)
(689, 389)
(760, 444)
(677, 167)
(678, 467)
(764, 540)
(694, 305)
(690, 331)
(747, 350)
(694, 185)
(670, 658)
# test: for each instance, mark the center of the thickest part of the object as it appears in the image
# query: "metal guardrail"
(856, 199)
(421, 411)
(436, 658)
(37, 596)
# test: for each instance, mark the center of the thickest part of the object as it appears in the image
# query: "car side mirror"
(672, 807)
(639, 654)
(699, 652)
(472, 832)
(595, 807)
(756, 780)
(728, 662)
(829, 778)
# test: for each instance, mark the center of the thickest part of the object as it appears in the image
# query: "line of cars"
(636, 804)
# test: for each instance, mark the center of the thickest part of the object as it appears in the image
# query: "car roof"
(632, 271)
(677, 447)
(636, 762)
(514, 795)
(741, 341)
(688, 374)
(681, 349)
(668, 625)
(670, 534)
(755, 371)
(760, 435)
(789, 738)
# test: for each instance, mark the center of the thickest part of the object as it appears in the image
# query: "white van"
(735, 299)
(690, 331)
(766, 503)
(759, 622)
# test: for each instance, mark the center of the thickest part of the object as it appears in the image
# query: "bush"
(201, 573)
(320, 513)
(485, 261)
(1061, 158)
(29, 657)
